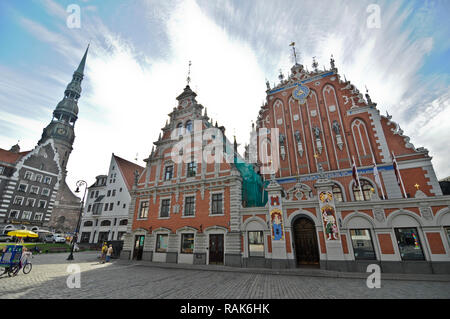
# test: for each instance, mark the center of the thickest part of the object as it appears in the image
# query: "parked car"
(6, 238)
(49, 239)
(59, 239)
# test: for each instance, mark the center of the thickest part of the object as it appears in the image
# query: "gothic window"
(180, 129)
(337, 193)
(366, 191)
(189, 126)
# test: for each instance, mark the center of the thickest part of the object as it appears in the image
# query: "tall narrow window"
(189, 203)
(216, 204)
(337, 193)
(143, 211)
(409, 244)
(362, 244)
(191, 169)
(188, 126)
(165, 208)
(168, 173)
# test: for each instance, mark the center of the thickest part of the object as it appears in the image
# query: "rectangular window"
(447, 233)
(85, 237)
(38, 178)
(143, 211)
(45, 192)
(30, 202)
(362, 244)
(96, 194)
(187, 243)
(14, 214)
(189, 206)
(165, 208)
(256, 243)
(124, 205)
(409, 244)
(42, 203)
(23, 187)
(191, 169)
(34, 190)
(89, 208)
(92, 194)
(217, 204)
(109, 194)
(168, 173)
(111, 206)
(28, 175)
(162, 241)
(47, 180)
(38, 216)
(18, 200)
(26, 215)
(114, 192)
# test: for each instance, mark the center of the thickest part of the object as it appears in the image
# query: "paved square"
(119, 279)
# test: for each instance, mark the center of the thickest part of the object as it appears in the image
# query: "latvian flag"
(355, 173)
(397, 173)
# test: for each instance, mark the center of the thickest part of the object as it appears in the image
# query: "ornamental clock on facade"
(61, 131)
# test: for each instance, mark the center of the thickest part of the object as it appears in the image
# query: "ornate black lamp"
(75, 236)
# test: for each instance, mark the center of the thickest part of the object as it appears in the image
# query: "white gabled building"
(105, 215)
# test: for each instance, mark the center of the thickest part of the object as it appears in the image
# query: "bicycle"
(24, 264)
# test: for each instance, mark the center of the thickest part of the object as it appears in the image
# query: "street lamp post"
(75, 236)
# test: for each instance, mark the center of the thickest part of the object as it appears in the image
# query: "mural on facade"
(328, 212)
(277, 224)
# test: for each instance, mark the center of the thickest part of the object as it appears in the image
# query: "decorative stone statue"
(336, 128)
(316, 132)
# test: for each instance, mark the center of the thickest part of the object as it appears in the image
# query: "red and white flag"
(377, 176)
(397, 175)
(356, 177)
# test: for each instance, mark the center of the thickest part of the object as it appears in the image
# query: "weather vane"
(189, 73)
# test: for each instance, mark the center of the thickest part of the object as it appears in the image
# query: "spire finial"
(315, 64)
(295, 54)
(189, 74)
(83, 61)
(333, 66)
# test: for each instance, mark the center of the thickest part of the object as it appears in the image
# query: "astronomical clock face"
(301, 93)
(185, 103)
(61, 131)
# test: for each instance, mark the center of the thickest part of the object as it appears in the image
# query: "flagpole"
(399, 175)
(357, 177)
(377, 176)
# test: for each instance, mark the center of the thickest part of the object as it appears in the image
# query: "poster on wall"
(328, 213)
(276, 218)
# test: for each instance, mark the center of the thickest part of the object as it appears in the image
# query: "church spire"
(80, 69)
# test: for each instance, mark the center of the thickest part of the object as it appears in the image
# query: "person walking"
(109, 253)
(104, 251)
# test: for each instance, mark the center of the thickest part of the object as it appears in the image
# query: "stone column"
(327, 210)
(277, 218)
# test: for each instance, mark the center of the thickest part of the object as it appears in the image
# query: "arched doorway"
(305, 242)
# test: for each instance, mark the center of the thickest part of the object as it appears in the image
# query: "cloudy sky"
(140, 50)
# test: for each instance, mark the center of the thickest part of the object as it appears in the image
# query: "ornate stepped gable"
(326, 121)
(166, 177)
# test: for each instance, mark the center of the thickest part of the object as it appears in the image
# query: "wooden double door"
(305, 242)
(216, 249)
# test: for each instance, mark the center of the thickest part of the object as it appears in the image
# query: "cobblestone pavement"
(118, 279)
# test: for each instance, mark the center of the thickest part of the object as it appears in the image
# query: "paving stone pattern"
(135, 280)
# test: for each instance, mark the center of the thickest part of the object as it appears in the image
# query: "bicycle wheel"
(27, 268)
(13, 271)
(3, 270)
